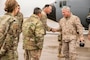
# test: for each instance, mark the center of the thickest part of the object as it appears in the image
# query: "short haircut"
(37, 10)
(66, 7)
(47, 5)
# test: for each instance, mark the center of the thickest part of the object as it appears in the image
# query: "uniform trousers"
(32, 54)
(69, 49)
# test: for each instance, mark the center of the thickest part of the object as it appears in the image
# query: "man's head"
(47, 9)
(66, 11)
(37, 11)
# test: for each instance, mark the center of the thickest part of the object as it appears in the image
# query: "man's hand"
(81, 39)
(54, 30)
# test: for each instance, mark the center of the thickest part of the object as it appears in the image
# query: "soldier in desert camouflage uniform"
(19, 17)
(69, 26)
(10, 41)
(33, 33)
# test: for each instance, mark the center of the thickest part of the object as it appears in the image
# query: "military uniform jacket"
(69, 28)
(10, 38)
(33, 33)
(19, 16)
(44, 21)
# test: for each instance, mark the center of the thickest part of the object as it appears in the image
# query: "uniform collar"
(33, 15)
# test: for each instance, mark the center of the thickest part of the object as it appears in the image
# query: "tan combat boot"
(61, 56)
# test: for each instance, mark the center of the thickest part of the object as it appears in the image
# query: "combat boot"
(61, 56)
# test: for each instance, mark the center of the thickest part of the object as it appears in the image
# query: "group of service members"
(33, 29)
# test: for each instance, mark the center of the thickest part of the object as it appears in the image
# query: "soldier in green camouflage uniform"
(33, 33)
(60, 46)
(19, 16)
(46, 10)
(8, 50)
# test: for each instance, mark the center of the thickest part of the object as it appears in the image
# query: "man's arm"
(79, 28)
